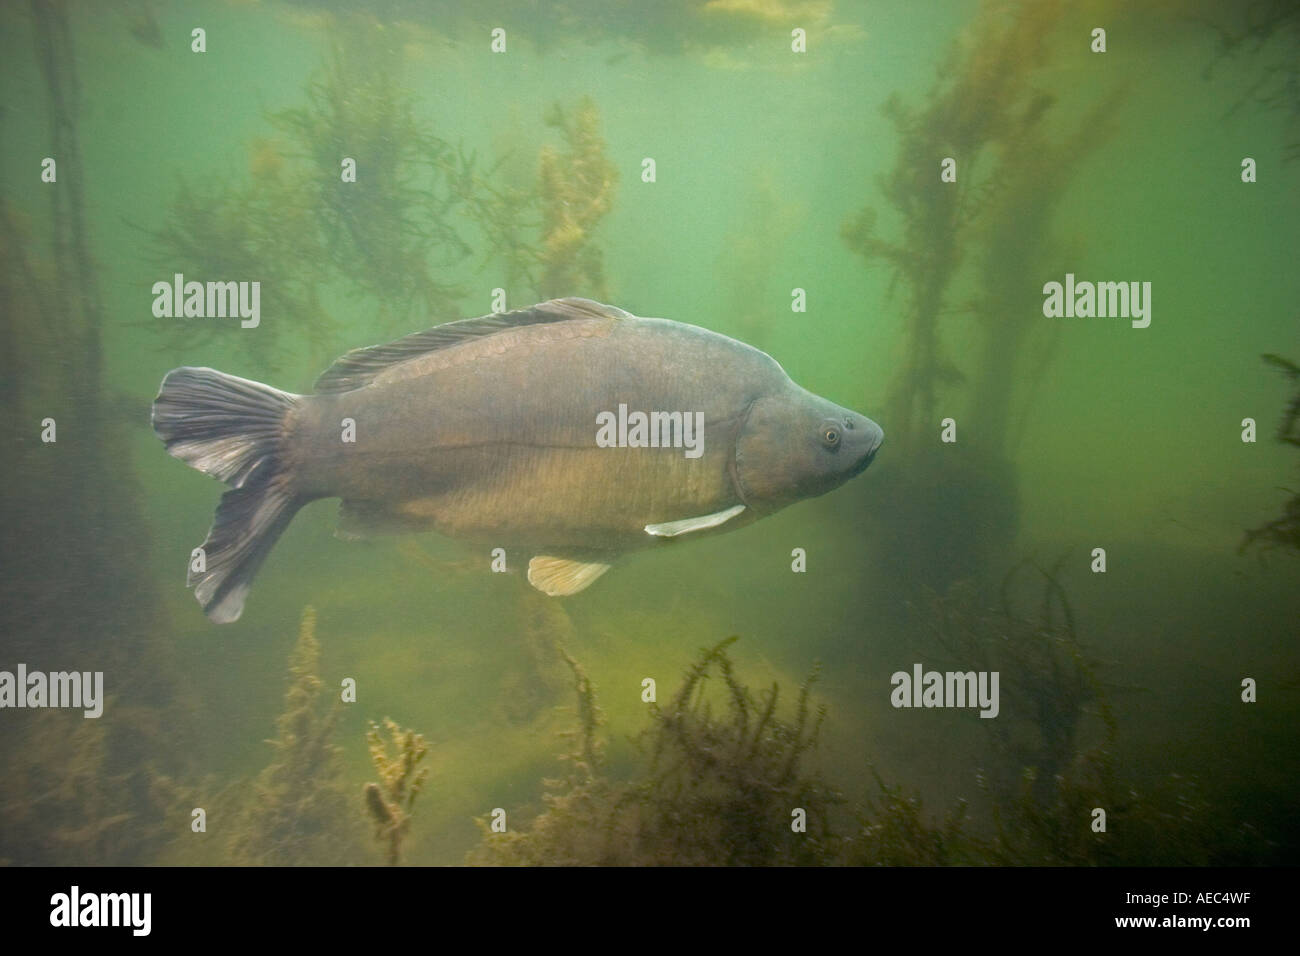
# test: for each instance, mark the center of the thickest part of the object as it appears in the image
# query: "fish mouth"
(870, 456)
(862, 464)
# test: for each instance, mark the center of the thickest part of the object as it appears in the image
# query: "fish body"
(513, 431)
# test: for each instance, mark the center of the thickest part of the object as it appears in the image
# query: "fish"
(528, 431)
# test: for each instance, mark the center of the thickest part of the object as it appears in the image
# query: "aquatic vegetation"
(1054, 747)
(1045, 822)
(1282, 532)
(544, 236)
(535, 673)
(1269, 31)
(988, 112)
(296, 811)
(73, 791)
(225, 231)
(1052, 758)
(722, 789)
(577, 191)
(982, 100)
(390, 801)
(391, 238)
(588, 752)
(893, 831)
(718, 787)
(390, 232)
(577, 827)
(52, 365)
(715, 789)
(1168, 823)
(387, 239)
(1053, 709)
(70, 796)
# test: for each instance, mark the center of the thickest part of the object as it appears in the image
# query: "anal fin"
(560, 577)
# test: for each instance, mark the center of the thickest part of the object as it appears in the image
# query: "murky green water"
(1123, 689)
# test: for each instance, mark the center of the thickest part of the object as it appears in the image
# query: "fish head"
(796, 445)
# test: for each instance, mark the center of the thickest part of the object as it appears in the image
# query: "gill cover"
(770, 466)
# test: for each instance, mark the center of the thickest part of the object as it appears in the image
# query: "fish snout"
(867, 438)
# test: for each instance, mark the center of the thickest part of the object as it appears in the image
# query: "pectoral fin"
(670, 529)
(560, 577)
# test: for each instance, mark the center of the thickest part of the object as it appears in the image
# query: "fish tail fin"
(233, 429)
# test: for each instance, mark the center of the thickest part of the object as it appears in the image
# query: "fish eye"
(830, 435)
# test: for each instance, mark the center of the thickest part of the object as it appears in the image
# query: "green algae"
(716, 786)
(297, 810)
(390, 801)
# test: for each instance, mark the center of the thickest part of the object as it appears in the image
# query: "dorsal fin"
(360, 366)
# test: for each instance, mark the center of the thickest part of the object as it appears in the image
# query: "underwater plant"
(1165, 823)
(262, 229)
(75, 794)
(588, 753)
(86, 792)
(386, 237)
(52, 361)
(715, 789)
(390, 233)
(544, 235)
(1053, 760)
(1052, 754)
(982, 102)
(535, 674)
(581, 809)
(1269, 31)
(577, 191)
(1282, 532)
(717, 784)
(296, 811)
(893, 831)
(1053, 709)
(721, 789)
(990, 114)
(389, 802)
